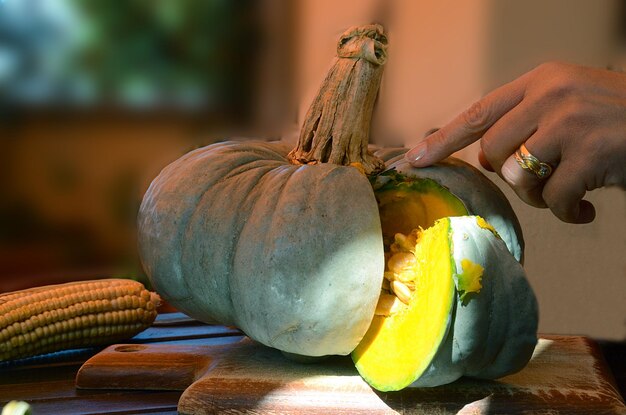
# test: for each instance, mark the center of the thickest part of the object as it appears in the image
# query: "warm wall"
(443, 56)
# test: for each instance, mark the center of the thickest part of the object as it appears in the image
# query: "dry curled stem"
(337, 126)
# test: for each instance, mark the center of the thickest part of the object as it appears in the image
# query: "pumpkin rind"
(494, 331)
(234, 233)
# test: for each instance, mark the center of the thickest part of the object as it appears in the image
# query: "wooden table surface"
(47, 383)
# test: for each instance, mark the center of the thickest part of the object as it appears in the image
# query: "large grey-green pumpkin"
(292, 255)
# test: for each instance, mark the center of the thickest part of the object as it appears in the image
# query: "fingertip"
(417, 155)
(586, 212)
(580, 213)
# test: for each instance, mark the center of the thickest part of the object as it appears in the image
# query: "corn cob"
(77, 314)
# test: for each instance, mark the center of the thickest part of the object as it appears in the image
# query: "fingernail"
(416, 153)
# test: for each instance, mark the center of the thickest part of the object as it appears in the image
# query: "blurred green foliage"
(184, 54)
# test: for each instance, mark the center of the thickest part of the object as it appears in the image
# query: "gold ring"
(531, 163)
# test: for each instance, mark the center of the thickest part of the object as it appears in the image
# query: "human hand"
(571, 117)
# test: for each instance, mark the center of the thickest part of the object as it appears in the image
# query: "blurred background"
(96, 97)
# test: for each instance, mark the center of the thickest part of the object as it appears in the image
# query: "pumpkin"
(296, 247)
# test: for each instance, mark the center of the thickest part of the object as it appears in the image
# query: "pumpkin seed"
(405, 277)
(401, 291)
(403, 242)
(399, 279)
(400, 261)
(406, 243)
(388, 304)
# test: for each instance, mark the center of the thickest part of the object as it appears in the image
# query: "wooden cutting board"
(566, 375)
(143, 366)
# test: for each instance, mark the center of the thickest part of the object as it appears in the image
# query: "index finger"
(468, 126)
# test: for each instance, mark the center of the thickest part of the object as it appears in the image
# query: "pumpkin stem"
(337, 126)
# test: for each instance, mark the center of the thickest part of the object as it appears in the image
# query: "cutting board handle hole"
(129, 348)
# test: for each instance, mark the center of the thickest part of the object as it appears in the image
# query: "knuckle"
(570, 118)
(440, 138)
(560, 88)
(554, 69)
(554, 85)
(592, 146)
(570, 132)
(550, 67)
(476, 117)
(577, 110)
(560, 83)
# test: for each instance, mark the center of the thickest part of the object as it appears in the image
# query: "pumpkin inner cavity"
(407, 206)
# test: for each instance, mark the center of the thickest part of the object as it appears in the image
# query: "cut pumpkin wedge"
(398, 348)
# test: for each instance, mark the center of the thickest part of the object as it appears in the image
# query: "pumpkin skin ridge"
(492, 320)
(516, 334)
(278, 170)
(164, 176)
(511, 334)
(260, 148)
(321, 183)
(493, 331)
(199, 156)
(293, 170)
(492, 339)
(245, 167)
(283, 185)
